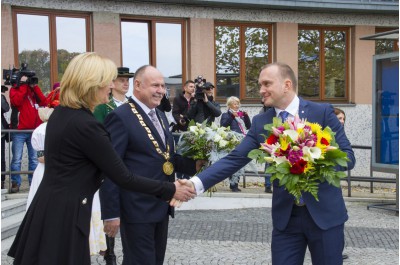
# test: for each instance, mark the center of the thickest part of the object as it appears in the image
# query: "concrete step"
(10, 225)
(6, 243)
(11, 207)
(19, 195)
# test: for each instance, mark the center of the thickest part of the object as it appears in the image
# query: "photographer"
(203, 107)
(26, 96)
(181, 106)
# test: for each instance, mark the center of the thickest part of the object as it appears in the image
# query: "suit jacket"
(102, 110)
(56, 227)
(132, 143)
(330, 211)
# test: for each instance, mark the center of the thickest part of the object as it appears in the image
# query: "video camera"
(13, 76)
(201, 85)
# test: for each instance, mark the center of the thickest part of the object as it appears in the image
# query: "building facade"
(224, 41)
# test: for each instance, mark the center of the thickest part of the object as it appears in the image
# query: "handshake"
(185, 191)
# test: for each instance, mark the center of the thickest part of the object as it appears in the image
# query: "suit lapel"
(303, 109)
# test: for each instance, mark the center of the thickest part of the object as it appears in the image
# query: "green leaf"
(255, 154)
(283, 168)
(342, 161)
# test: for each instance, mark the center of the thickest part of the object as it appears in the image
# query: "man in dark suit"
(139, 133)
(318, 225)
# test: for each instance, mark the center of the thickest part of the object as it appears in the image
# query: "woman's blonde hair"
(232, 99)
(84, 76)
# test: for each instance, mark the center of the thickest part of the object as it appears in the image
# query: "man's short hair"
(189, 82)
(286, 72)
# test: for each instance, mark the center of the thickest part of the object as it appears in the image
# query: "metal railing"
(8, 171)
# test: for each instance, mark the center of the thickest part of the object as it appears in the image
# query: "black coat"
(181, 107)
(56, 227)
(200, 111)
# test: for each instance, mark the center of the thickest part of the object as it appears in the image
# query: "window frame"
(322, 69)
(242, 44)
(152, 21)
(384, 29)
(52, 15)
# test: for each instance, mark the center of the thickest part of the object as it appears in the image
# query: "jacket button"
(84, 201)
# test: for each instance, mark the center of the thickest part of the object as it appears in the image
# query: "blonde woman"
(238, 121)
(78, 151)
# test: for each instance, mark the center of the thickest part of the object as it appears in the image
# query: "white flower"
(222, 143)
(217, 138)
(312, 152)
(193, 129)
(280, 159)
(292, 134)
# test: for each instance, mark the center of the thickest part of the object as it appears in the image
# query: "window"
(385, 46)
(323, 63)
(46, 54)
(240, 52)
(159, 43)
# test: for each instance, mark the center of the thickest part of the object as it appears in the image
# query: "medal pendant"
(168, 168)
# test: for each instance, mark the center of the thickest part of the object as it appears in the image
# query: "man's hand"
(200, 163)
(41, 159)
(184, 192)
(205, 96)
(176, 202)
(111, 227)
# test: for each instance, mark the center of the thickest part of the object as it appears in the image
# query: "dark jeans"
(267, 177)
(19, 139)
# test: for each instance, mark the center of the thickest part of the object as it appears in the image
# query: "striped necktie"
(157, 124)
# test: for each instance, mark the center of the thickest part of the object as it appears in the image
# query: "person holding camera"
(181, 106)
(26, 96)
(203, 107)
(239, 122)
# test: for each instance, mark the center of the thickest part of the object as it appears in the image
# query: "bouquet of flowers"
(301, 155)
(207, 142)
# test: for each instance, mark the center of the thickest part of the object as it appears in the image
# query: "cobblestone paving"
(243, 236)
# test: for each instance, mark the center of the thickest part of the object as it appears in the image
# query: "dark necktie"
(284, 115)
(157, 124)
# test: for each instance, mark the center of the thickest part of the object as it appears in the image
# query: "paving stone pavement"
(243, 236)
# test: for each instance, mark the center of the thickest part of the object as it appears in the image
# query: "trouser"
(17, 147)
(289, 246)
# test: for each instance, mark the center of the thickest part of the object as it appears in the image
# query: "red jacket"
(24, 99)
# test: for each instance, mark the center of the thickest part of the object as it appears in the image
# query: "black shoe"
(236, 189)
(345, 256)
(14, 187)
(110, 259)
(109, 256)
(268, 190)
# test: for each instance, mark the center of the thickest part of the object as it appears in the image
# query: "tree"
(229, 56)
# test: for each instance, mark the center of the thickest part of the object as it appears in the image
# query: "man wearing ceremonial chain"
(140, 135)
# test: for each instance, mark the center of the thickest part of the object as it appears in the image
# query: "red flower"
(272, 139)
(298, 167)
(324, 141)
